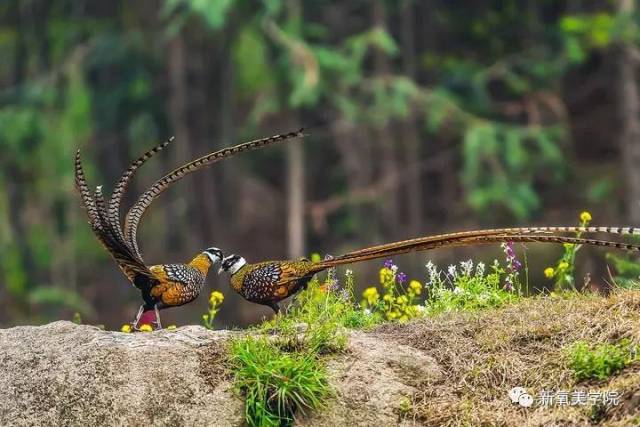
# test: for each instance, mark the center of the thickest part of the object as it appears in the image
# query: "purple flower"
(401, 278)
(389, 263)
(517, 265)
(333, 285)
(508, 250)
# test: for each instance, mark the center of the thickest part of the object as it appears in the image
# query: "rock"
(372, 381)
(78, 375)
(68, 374)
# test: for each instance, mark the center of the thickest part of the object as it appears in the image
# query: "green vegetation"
(466, 289)
(462, 288)
(627, 268)
(399, 299)
(277, 384)
(602, 360)
(563, 273)
(281, 371)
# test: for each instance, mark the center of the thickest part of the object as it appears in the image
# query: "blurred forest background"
(424, 117)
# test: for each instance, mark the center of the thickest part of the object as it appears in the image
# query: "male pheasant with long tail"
(270, 282)
(165, 285)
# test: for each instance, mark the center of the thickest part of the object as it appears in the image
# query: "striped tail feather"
(403, 247)
(88, 202)
(113, 207)
(505, 231)
(95, 210)
(135, 214)
(121, 253)
(97, 214)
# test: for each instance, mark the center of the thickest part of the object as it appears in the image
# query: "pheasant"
(270, 282)
(161, 286)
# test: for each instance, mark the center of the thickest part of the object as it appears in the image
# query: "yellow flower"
(563, 265)
(386, 276)
(394, 314)
(585, 217)
(402, 299)
(171, 328)
(146, 328)
(549, 272)
(404, 318)
(216, 298)
(415, 286)
(371, 295)
(126, 328)
(388, 298)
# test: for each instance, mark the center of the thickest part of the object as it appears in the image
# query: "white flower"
(457, 290)
(480, 269)
(421, 308)
(348, 272)
(452, 271)
(394, 268)
(367, 311)
(466, 267)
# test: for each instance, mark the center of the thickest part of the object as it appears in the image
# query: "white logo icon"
(520, 396)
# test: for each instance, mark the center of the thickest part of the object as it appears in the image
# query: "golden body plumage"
(269, 282)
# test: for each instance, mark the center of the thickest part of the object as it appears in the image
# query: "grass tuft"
(600, 361)
(280, 371)
(277, 384)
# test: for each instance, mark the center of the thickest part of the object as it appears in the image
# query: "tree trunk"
(389, 164)
(413, 188)
(295, 168)
(629, 110)
(295, 200)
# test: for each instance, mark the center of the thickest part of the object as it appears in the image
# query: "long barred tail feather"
(113, 207)
(135, 214)
(96, 213)
(85, 195)
(122, 254)
(495, 231)
(403, 247)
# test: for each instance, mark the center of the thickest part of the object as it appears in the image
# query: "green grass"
(600, 361)
(468, 290)
(277, 384)
(281, 371)
(325, 314)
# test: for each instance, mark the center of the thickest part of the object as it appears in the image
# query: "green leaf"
(60, 297)
(253, 73)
